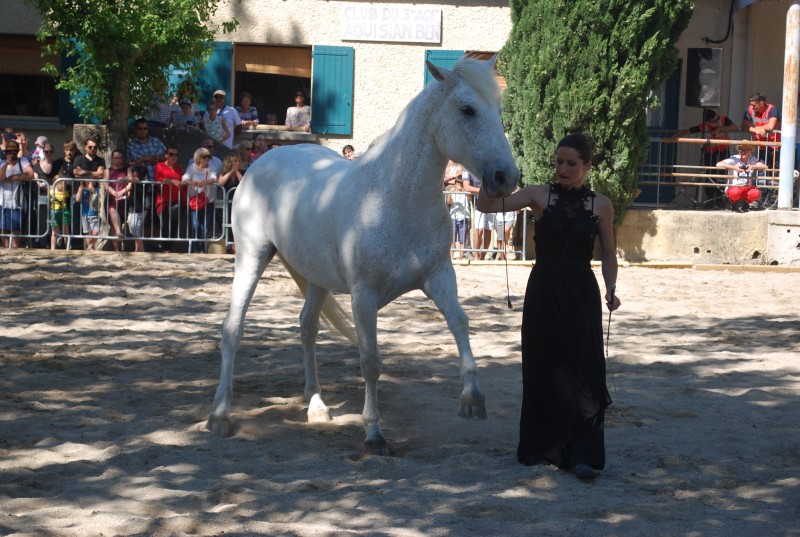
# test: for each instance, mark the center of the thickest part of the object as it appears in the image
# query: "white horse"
(375, 228)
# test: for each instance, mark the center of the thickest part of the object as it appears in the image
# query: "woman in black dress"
(564, 393)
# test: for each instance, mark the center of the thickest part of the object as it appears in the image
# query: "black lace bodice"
(566, 231)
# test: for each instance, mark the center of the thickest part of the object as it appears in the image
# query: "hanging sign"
(391, 22)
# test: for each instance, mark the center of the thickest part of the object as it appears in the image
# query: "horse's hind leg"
(309, 328)
(441, 288)
(249, 267)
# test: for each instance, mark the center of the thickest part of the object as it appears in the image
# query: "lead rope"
(505, 255)
(608, 336)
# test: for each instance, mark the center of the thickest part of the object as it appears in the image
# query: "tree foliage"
(588, 65)
(122, 49)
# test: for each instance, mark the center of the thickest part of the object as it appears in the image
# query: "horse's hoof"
(472, 408)
(317, 411)
(377, 447)
(223, 427)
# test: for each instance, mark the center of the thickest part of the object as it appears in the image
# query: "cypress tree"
(588, 65)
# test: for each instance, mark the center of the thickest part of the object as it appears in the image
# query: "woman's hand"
(612, 300)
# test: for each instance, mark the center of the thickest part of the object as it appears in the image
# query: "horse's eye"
(468, 110)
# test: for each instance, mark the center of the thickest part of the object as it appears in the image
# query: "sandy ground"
(109, 364)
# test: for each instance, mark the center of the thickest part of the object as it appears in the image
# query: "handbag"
(200, 200)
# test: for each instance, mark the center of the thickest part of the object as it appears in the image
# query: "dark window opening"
(271, 93)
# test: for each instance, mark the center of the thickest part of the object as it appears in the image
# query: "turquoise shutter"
(441, 58)
(67, 114)
(216, 73)
(332, 90)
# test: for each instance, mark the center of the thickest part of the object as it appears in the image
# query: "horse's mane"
(480, 75)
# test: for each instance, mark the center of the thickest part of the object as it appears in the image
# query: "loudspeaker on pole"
(703, 77)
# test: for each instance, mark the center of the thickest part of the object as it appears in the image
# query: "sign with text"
(391, 22)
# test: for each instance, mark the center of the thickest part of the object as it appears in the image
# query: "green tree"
(122, 49)
(588, 65)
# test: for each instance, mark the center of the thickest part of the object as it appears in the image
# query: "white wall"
(387, 75)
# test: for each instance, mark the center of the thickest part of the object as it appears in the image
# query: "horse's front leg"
(309, 328)
(365, 316)
(249, 267)
(441, 288)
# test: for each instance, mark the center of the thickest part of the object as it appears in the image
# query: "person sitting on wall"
(742, 167)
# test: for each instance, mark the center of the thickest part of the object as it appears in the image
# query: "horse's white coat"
(375, 228)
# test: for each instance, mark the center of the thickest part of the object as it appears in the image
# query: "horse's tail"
(332, 311)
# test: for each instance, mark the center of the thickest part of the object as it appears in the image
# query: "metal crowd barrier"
(173, 228)
(519, 233)
(679, 169)
(177, 225)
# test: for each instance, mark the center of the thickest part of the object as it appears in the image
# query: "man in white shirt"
(229, 115)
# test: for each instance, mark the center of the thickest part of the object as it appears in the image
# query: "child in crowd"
(60, 216)
(184, 116)
(459, 212)
(214, 125)
(136, 202)
(742, 168)
(90, 218)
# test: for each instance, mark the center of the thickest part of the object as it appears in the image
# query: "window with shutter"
(332, 89)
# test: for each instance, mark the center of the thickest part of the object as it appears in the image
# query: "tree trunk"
(116, 139)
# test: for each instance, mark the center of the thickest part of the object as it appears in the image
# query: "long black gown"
(564, 393)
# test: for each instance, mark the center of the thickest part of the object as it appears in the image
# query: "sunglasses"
(91, 147)
(49, 151)
(205, 156)
(172, 153)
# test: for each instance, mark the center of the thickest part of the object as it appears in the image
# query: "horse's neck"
(406, 155)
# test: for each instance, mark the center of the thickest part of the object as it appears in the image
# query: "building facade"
(360, 63)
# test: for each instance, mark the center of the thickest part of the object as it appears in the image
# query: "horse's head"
(467, 126)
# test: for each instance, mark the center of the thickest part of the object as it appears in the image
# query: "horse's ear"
(439, 73)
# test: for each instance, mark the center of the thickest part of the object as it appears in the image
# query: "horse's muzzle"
(501, 182)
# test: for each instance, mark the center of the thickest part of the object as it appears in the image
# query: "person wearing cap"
(13, 172)
(229, 115)
(184, 116)
(38, 152)
(742, 168)
(298, 117)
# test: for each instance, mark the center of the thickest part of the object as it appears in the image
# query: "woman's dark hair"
(245, 94)
(140, 171)
(580, 142)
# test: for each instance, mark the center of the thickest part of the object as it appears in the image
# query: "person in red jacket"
(761, 120)
(170, 196)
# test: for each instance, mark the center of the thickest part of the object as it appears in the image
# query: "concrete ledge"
(710, 237)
